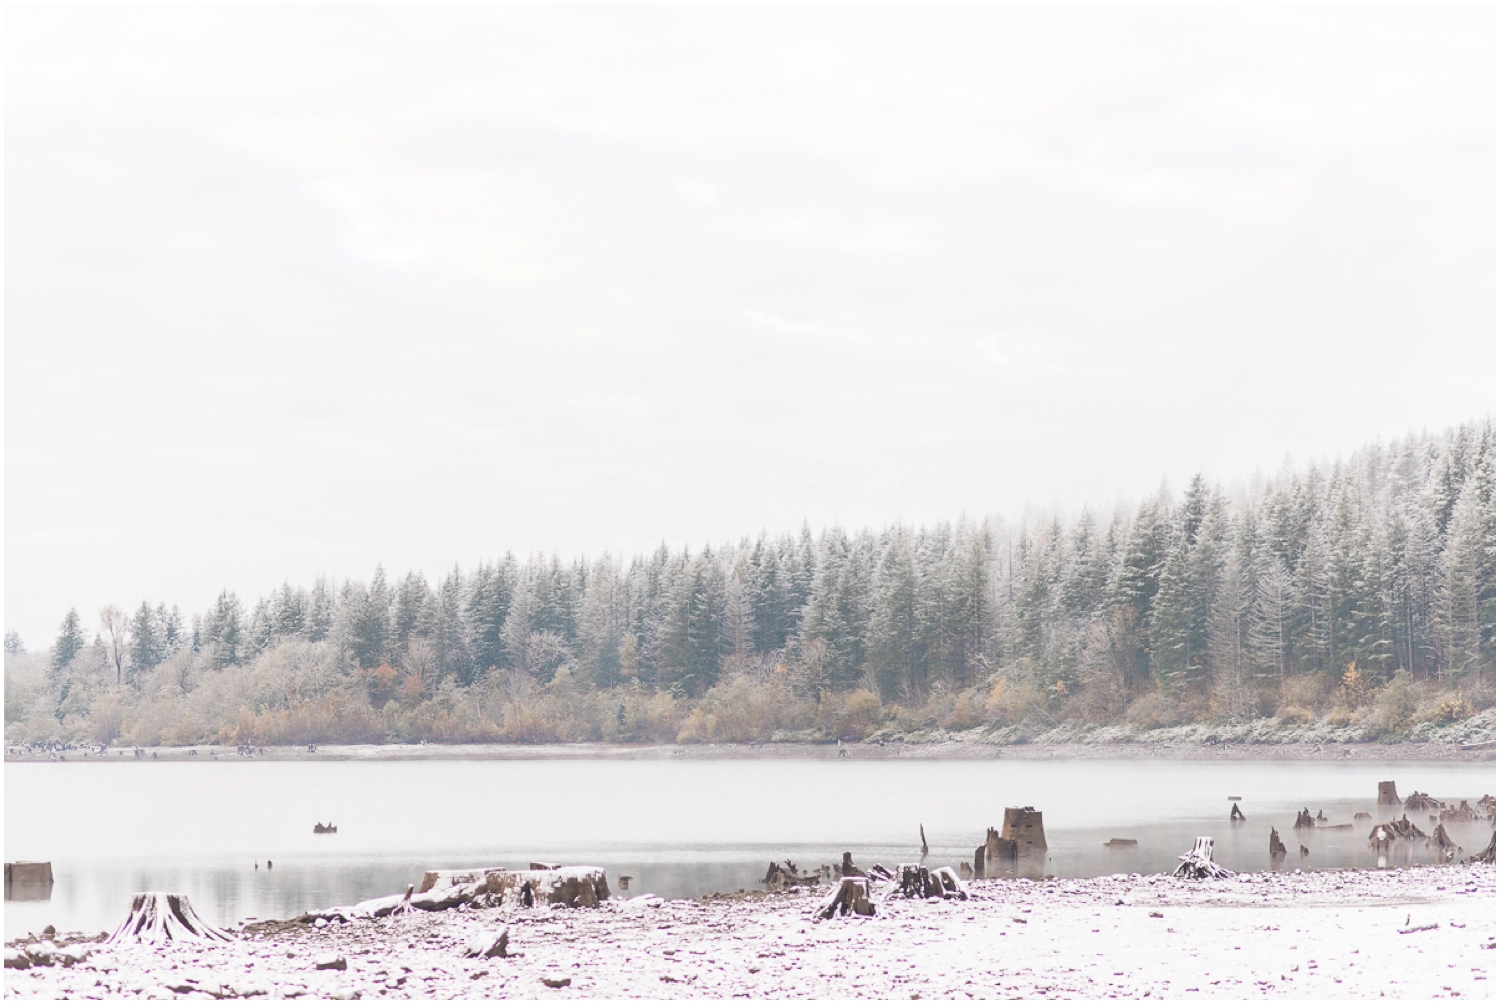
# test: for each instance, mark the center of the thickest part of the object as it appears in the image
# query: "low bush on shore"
(298, 693)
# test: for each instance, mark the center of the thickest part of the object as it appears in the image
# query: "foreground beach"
(1408, 933)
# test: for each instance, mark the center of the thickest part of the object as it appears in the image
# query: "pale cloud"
(300, 289)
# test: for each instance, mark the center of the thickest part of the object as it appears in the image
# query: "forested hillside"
(1360, 594)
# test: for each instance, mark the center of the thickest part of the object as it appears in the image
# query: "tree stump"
(1387, 795)
(1486, 856)
(914, 881)
(851, 895)
(1396, 829)
(1443, 844)
(1420, 801)
(846, 867)
(159, 917)
(1235, 815)
(1304, 820)
(1278, 849)
(1199, 862)
(997, 855)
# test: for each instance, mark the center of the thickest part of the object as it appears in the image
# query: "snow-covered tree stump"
(1199, 863)
(917, 882)
(851, 895)
(159, 917)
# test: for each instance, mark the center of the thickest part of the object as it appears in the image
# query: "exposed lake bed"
(1406, 933)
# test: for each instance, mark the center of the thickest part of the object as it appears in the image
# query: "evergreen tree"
(148, 645)
(69, 642)
(223, 630)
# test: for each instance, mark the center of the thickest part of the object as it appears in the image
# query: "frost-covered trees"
(1332, 579)
(69, 642)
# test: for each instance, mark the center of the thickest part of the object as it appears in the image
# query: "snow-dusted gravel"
(1314, 935)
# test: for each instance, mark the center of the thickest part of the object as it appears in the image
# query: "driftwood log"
(1121, 843)
(780, 877)
(159, 917)
(1199, 863)
(481, 887)
(851, 895)
(1278, 849)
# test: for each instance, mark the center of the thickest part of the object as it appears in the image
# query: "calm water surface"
(680, 828)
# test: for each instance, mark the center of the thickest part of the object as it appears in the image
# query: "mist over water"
(679, 828)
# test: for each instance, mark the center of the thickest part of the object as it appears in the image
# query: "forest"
(1358, 594)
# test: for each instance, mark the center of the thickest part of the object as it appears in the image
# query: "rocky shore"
(930, 749)
(1419, 932)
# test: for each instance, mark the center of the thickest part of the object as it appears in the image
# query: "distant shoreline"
(942, 750)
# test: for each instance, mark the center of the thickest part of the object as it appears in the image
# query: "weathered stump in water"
(1304, 821)
(1486, 856)
(847, 869)
(995, 857)
(1396, 829)
(1024, 826)
(1278, 849)
(159, 917)
(1462, 814)
(1420, 801)
(1387, 795)
(28, 880)
(1235, 815)
(1442, 844)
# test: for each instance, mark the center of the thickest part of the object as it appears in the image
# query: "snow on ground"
(1327, 934)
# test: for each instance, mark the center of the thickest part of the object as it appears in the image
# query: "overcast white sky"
(296, 290)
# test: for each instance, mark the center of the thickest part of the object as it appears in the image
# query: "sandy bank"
(1315, 935)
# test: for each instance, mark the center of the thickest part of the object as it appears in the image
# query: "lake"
(680, 828)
